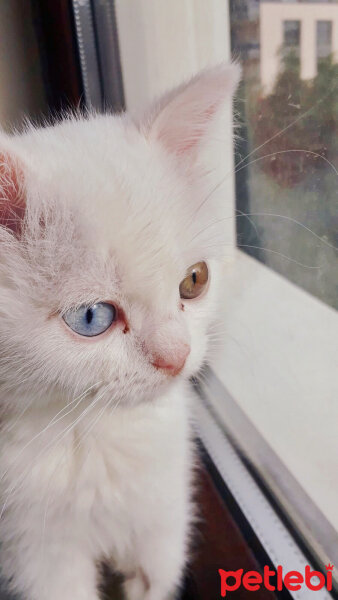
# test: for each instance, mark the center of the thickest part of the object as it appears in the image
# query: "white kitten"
(100, 220)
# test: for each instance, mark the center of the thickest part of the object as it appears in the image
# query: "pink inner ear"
(196, 133)
(12, 198)
(183, 117)
(181, 126)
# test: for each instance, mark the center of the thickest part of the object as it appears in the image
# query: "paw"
(138, 587)
(157, 593)
(135, 587)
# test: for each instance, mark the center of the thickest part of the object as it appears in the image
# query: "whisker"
(293, 260)
(55, 442)
(292, 220)
(287, 127)
(87, 431)
(52, 422)
(266, 214)
(73, 426)
(9, 427)
(95, 421)
(251, 162)
(247, 216)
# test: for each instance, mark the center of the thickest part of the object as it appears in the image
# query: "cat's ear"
(12, 192)
(182, 118)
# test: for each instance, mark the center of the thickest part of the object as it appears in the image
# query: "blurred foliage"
(287, 191)
(316, 101)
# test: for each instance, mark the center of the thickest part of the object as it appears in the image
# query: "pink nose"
(174, 364)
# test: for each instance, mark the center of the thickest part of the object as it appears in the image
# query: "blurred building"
(308, 28)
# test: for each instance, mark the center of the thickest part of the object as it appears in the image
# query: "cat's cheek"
(196, 360)
(198, 313)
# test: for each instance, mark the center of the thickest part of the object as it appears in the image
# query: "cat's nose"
(174, 363)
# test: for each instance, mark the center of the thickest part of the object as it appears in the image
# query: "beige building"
(311, 28)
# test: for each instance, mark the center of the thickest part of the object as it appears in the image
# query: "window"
(291, 34)
(324, 39)
(286, 175)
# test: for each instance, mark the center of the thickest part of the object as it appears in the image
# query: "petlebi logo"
(253, 581)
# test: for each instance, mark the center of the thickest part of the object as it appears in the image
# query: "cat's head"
(111, 245)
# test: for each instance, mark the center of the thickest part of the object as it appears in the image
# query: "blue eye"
(91, 320)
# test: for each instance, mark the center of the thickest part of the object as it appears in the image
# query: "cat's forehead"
(106, 164)
(127, 205)
(98, 143)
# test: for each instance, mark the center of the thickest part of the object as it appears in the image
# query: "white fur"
(96, 457)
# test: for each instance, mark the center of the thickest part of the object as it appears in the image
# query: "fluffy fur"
(95, 456)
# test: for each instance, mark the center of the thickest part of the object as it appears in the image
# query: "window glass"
(287, 145)
(291, 34)
(324, 39)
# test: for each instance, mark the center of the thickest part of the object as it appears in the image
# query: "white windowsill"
(279, 362)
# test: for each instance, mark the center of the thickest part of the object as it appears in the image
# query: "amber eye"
(195, 281)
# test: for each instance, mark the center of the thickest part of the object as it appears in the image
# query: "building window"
(324, 39)
(291, 30)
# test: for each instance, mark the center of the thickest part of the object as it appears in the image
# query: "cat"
(111, 255)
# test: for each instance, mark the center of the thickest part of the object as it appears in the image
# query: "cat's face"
(108, 269)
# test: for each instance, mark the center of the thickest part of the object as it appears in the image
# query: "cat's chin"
(140, 392)
(151, 395)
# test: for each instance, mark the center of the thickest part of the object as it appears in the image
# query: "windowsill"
(278, 361)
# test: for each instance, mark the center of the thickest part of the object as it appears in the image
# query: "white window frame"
(280, 354)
